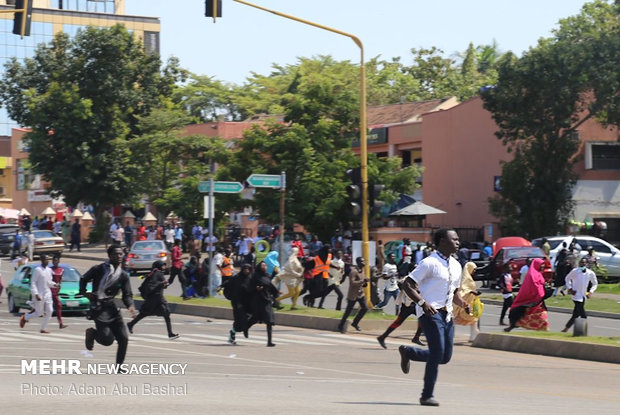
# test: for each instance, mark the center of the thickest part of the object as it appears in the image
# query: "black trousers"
(178, 271)
(505, 307)
(578, 311)
(108, 331)
(336, 289)
(360, 314)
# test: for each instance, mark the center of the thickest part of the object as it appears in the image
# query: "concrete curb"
(549, 347)
(601, 314)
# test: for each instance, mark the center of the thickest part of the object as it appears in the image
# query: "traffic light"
(374, 190)
(354, 190)
(22, 19)
(213, 8)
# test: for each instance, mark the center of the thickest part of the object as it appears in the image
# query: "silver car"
(608, 255)
(144, 253)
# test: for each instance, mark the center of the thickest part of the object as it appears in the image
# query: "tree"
(164, 155)
(82, 98)
(539, 102)
(321, 107)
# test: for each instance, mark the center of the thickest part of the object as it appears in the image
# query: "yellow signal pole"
(363, 128)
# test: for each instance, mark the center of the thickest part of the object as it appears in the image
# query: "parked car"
(7, 237)
(143, 253)
(609, 255)
(515, 257)
(44, 242)
(18, 291)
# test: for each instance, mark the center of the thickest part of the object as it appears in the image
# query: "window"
(602, 156)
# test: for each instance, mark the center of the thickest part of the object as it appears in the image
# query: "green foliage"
(538, 103)
(82, 98)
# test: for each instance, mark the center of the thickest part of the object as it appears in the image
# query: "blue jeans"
(439, 336)
(386, 298)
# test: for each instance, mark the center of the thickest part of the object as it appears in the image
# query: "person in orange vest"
(320, 275)
(226, 268)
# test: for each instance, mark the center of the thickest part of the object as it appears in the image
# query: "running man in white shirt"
(577, 282)
(437, 278)
(41, 283)
(391, 290)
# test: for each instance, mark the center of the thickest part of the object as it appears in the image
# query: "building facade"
(18, 188)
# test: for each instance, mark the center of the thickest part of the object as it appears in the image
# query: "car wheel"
(12, 307)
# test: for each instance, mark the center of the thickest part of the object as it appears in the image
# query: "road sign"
(220, 187)
(265, 180)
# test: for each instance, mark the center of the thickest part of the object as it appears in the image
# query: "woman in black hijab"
(264, 294)
(152, 290)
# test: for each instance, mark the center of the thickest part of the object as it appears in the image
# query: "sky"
(249, 40)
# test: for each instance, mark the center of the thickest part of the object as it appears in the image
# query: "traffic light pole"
(363, 128)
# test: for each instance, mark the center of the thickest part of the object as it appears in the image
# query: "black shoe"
(341, 329)
(429, 402)
(501, 323)
(173, 336)
(356, 327)
(130, 327)
(381, 341)
(417, 341)
(404, 359)
(89, 340)
(271, 344)
(231, 337)
(245, 334)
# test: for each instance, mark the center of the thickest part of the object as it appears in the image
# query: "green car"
(18, 291)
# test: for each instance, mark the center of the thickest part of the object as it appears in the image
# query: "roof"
(417, 209)
(405, 112)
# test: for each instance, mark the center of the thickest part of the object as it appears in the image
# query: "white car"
(609, 255)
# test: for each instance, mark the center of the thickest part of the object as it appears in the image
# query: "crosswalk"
(256, 337)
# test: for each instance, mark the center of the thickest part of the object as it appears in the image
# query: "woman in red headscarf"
(528, 309)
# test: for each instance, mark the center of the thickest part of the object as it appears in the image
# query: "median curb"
(549, 347)
(601, 314)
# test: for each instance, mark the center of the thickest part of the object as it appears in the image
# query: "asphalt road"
(308, 372)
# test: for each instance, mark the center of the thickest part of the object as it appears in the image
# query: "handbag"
(477, 307)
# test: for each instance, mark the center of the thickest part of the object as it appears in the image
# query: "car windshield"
(148, 246)
(525, 252)
(43, 234)
(70, 274)
(8, 229)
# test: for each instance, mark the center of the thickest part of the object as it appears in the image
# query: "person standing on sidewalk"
(577, 282)
(107, 280)
(177, 268)
(41, 284)
(76, 235)
(57, 272)
(437, 278)
(357, 282)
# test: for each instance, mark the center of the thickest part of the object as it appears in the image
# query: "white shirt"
(391, 270)
(218, 260)
(419, 256)
(213, 240)
(578, 281)
(437, 280)
(41, 283)
(407, 254)
(335, 275)
(169, 235)
(243, 245)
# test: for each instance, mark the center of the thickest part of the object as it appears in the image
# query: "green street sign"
(220, 187)
(265, 180)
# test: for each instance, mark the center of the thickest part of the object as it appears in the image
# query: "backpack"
(144, 288)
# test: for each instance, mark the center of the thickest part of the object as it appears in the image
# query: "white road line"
(38, 337)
